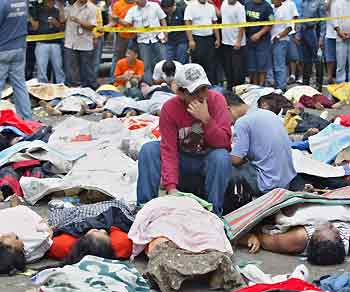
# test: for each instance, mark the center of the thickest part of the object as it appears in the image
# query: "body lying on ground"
(321, 232)
(30, 237)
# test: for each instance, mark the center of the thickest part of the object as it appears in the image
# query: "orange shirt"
(120, 9)
(123, 66)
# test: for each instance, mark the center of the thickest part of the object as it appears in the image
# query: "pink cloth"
(181, 132)
(183, 221)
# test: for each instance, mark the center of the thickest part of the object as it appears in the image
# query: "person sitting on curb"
(196, 140)
(261, 151)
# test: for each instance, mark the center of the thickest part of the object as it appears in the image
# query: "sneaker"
(300, 80)
(291, 79)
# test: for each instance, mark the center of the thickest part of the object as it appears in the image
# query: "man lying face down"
(323, 242)
(261, 152)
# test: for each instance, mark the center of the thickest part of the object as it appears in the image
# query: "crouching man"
(261, 151)
(196, 140)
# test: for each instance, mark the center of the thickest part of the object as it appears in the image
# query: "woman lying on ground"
(99, 229)
(323, 242)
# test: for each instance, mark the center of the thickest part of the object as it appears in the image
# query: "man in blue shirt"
(13, 32)
(307, 34)
(261, 152)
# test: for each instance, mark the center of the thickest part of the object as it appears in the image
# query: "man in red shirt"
(196, 139)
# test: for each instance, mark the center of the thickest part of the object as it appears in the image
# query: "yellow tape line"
(44, 37)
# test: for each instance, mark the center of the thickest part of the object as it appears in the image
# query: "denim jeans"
(309, 45)
(343, 56)
(177, 52)
(279, 52)
(151, 54)
(79, 67)
(45, 53)
(98, 54)
(215, 166)
(12, 66)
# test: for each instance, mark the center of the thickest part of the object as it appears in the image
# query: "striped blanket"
(247, 217)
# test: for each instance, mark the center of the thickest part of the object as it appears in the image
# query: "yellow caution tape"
(46, 37)
(214, 26)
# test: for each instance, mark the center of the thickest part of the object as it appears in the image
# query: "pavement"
(269, 262)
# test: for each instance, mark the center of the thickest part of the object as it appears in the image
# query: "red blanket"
(9, 118)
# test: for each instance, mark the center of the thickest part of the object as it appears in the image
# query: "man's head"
(11, 254)
(168, 6)
(141, 3)
(50, 3)
(235, 105)
(326, 246)
(169, 69)
(192, 82)
(277, 3)
(131, 54)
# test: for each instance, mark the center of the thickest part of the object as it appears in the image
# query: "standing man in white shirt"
(330, 45)
(151, 44)
(233, 42)
(342, 27)
(202, 42)
(280, 41)
(79, 45)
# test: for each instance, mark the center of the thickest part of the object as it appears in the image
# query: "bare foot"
(338, 105)
(49, 109)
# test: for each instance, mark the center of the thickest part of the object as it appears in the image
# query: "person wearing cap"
(164, 72)
(196, 134)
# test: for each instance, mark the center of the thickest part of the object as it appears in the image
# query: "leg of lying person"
(248, 172)
(218, 175)
(149, 166)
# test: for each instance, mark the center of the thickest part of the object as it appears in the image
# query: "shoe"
(291, 79)
(300, 81)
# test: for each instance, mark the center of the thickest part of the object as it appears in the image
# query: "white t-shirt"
(330, 31)
(232, 14)
(281, 13)
(201, 14)
(29, 227)
(292, 8)
(148, 16)
(158, 73)
(341, 8)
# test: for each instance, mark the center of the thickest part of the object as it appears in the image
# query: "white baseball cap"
(191, 76)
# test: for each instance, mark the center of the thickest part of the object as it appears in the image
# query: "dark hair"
(169, 68)
(232, 99)
(12, 260)
(89, 245)
(167, 3)
(134, 49)
(276, 102)
(325, 252)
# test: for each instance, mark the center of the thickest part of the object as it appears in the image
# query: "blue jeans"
(151, 54)
(248, 172)
(309, 45)
(279, 52)
(98, 54)
(79, 67)
(45, 53)
(343, 56)
(12, 66)
(177, 52)
(216, 166)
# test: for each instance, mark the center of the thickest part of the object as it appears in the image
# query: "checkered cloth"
(58, 218)
(247, 217)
